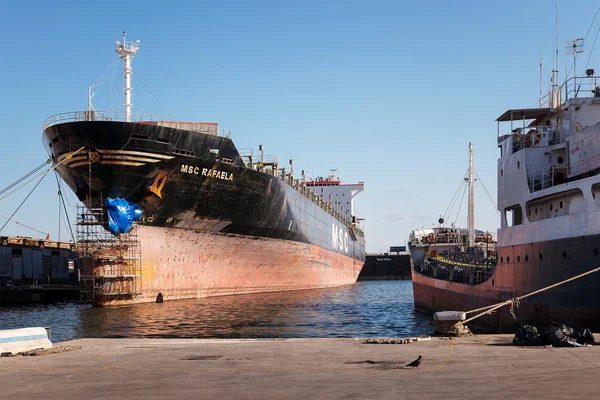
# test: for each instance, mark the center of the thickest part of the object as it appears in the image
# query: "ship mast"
(126, 51)
(471, 211)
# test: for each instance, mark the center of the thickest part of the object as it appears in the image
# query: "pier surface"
(475, 367)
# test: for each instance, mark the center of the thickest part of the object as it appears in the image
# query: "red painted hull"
(574, 304)
(184, 264)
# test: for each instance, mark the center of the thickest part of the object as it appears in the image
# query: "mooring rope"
(514, 302)
(52, 168)
(27, 175)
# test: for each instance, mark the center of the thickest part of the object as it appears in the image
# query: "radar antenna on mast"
(574, 47)
(126, 50)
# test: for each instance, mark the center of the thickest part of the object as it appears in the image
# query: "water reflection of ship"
(371, 308)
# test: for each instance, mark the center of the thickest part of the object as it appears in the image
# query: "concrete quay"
(475, 367)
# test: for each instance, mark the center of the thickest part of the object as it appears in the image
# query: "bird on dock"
(416, 363)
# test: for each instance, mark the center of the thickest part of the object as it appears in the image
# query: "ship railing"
(81, 116)
(119, 116)
(574, 87)
(542, 178)
(532, 136)
(554, 135)
(581, 86)
(320, 202)
(455, 271)
(546, 100)
(269, 165)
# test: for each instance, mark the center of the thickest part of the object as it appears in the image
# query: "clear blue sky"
(388, 92)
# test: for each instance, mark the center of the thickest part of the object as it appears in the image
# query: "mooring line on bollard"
(516, 300)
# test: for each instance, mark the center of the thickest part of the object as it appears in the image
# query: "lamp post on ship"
(126, 51)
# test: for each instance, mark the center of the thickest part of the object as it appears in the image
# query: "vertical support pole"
(127, 88)
(471, 212)
(126, 51)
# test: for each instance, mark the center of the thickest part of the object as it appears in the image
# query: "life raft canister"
(533, 137)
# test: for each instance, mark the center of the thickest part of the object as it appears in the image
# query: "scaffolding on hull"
(110, 264)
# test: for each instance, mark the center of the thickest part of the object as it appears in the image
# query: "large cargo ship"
(214, 221)
(549, 201)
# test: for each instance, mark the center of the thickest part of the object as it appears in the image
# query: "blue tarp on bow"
(121, 214)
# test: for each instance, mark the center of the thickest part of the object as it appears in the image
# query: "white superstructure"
(548, 181)
(333, 191)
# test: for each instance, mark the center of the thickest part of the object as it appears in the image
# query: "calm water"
(367, 309)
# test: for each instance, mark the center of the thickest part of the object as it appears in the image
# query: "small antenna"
(556, 30)
(574, 47)
(541, 101)
(555, 86)
(90, 108)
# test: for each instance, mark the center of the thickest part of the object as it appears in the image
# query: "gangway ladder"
(111, 264)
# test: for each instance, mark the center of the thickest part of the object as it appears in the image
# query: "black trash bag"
(527, 335)
(560, 335)
(565, 330)
(552, 335)
(583, 336)
(556, 335)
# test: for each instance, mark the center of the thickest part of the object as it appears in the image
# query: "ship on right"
(549, 202)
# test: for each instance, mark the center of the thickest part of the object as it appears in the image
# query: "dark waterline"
(366, 309)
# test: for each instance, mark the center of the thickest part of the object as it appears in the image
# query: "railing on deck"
(581, 86)
(119, 116)
(531, 136)
(319, 201)
(542, 178)
(578, 86)
(455, 267)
